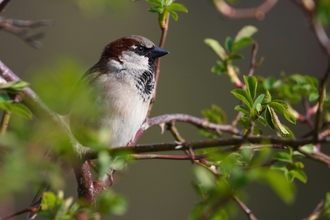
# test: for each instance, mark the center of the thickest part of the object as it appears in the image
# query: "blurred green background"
(161, 189)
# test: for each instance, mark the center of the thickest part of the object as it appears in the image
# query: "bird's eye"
(140, 48)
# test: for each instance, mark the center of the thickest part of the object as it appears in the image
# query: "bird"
(119, 88)
(114, 95)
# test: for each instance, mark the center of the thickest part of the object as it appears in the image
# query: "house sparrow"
(119, 89)
(114, 95)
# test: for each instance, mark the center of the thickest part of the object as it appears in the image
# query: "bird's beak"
(158, 52)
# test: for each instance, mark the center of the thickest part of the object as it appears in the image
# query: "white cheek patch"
(134, 61)
(114, 66)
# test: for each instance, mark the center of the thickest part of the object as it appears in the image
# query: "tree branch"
(222, 143)
(258, 12)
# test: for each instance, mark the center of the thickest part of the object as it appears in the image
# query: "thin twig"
(245, 209)
(179, 138)
(15, 26)
(307, 117)
(164, 157)
(323, 86)
(253, 58)
(26, 210)
(317, 212)
(258, 12)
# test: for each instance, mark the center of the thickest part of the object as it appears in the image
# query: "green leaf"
(228, 44)
(280, 166)
(177, 7)
(14, 86)
(269, 118)
(174, 15)
(4, 97)
(215, 115)
(17, 109)
(220, 68)
(258, 101)
(242, 108)
(299, 174)
(244, 96)
(283, 188)
(283, 156)
(298, 165)
(103, 162)
(313, 97)
(308, 148)
(155, 2)
(291, 134)
(242, 43)
(283, 108)
(245, 32)
(277, 123)
(251, 85)
(267, 99)
(268, 83)
(262, 120)
(245, 121)
(156, 9)
(21, 110)
(108, 202)
(326, 206)
(48, 201)
(216, 47)
(204, 178)
(235, 56)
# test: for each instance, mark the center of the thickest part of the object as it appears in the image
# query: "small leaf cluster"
(227, 174)
(262, 108)
(56, 207)
(288, 162)
(11, 88)
(214, 115)
(229, 52)
(292, 88)
(165, 7)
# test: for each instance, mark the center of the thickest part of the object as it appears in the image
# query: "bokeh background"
(162, 189)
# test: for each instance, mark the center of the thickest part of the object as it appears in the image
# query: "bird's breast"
(123, 110)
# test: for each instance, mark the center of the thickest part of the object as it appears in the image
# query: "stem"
(180, 139)
(323, 86)
(5, 122)
(253, 59)
(164, 29)
(29, 209)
